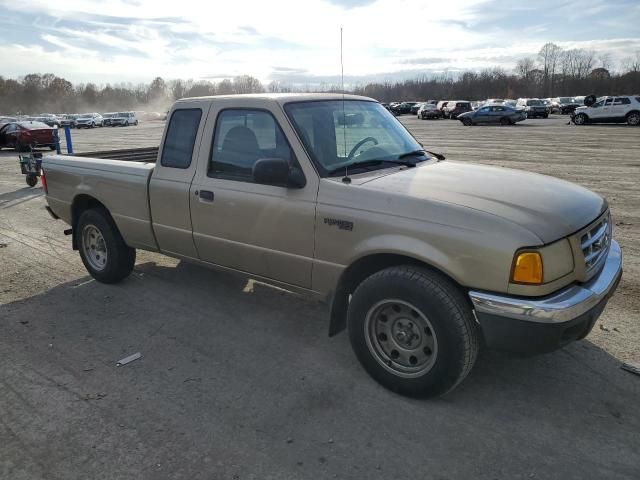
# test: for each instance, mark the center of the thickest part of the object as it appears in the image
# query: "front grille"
(595, 242)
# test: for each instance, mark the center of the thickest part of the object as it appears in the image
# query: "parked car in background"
(455, 107)
(4, 120)
(579, 100)
(511, 103)
(49, 120)
(495, 114)
(24, 135)
(124, 119)
(476, 105)
(440, 106)
(428, 110)
(493, 101)
(89, 120)
(618, 109)
(416, 107)
(106, 118)
(563, 105)
(69, 120)
(534, 107)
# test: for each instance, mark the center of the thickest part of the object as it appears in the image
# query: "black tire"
(580, 119)
(467, 121)
(546, 115)
(119, 259)
(52, 147)
(429, 296)
(31, 180)
(633, 118)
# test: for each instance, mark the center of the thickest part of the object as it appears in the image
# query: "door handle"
(206, 195)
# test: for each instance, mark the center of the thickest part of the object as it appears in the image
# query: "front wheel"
(580, 119)
(467, 121)
(633, 118)
(413, 331)
(102, 249)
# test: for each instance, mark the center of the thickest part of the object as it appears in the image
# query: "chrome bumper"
(562, 306)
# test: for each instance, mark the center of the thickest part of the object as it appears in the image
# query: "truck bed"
(144, 155)
(117, 179)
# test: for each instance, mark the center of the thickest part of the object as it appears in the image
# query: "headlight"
(527, 268)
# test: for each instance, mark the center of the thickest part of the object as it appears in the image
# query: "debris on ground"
(632, 367)
(129, 359)
(603, 328)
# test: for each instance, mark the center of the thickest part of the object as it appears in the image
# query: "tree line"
(554, 72)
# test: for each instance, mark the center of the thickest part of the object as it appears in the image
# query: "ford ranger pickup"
(421, 260)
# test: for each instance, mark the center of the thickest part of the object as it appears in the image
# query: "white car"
(619, 109)
(89, 120)
(124, 119)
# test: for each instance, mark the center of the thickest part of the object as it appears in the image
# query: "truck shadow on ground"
(219, 352)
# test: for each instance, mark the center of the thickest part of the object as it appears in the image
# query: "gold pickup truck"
(421, 259)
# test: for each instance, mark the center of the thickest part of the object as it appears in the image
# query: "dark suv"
(534, 107)
(454, 108)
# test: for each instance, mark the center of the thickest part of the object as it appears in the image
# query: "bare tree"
(631, 64)
(549, 55)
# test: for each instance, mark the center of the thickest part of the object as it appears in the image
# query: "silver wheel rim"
(634, 119)
(94, 247)
(401, 338)
(579, 120)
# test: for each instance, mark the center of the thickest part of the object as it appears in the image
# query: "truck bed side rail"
(144, 155)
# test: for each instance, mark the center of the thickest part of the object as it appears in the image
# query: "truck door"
(172, 176)
(260, 229)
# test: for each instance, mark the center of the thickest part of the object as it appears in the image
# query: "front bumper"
(543, 324)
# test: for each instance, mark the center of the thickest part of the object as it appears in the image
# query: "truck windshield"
(339, 134)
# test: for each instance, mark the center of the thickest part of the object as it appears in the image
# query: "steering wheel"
(359, 144)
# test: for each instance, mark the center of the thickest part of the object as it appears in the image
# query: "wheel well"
(356, 273)
(80, 204)
(632, 111)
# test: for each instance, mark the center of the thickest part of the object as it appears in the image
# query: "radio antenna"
(346, 178)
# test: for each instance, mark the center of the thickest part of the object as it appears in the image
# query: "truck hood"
(548, 207)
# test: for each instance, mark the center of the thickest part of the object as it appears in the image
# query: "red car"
(24, 135)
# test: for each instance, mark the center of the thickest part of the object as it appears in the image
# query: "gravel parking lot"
(240, 381)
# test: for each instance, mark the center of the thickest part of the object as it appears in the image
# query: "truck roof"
(281, 98)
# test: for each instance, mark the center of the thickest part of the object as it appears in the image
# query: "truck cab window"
(241, 138)
(180, 138)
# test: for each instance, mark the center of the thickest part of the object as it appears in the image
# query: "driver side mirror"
(276, 171)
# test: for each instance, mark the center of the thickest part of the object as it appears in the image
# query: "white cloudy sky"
(298, 40)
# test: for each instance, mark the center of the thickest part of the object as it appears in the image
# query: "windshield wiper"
(439, 156)
(370, 163)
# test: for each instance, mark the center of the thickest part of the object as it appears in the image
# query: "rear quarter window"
(180, 138)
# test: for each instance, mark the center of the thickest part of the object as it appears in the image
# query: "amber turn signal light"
(527, 268)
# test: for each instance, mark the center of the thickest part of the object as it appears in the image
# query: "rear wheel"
(580, 119)
(102, 249)
(413, 331)
(633, 118)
